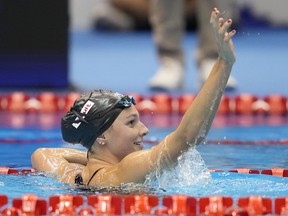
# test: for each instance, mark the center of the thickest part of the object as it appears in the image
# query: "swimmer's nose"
(144, 129)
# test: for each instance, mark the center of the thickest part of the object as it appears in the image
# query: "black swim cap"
(92, 114)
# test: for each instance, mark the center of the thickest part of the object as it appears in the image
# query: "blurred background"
(82, 14)
(78, 45)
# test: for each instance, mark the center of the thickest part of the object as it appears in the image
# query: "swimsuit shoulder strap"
(93, 176)
(78, 179)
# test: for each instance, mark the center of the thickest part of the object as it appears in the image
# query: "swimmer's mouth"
(138, 143)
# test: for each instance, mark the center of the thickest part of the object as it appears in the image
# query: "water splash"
(190, 170)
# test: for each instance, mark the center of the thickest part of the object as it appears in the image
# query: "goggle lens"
(125, 102)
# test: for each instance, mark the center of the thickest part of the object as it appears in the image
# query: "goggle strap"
(79, 116)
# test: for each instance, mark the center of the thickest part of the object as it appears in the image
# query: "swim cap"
(92, 114)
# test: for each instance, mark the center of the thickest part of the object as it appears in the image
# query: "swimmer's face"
(126, 133)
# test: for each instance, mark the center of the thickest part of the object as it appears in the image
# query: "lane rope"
(162, 103)
(275, 171)
(154, 142)
(236, 142)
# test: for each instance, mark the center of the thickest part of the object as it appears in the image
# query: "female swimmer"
(108, 125)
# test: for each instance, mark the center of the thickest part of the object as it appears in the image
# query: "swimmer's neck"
(103, 159)
(102, 162)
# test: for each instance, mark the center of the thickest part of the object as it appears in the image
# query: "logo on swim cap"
(87, 106)
(85, 109)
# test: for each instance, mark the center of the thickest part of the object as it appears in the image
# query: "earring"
(101, 141)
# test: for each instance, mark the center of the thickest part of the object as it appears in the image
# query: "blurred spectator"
(168, 19)
(121, 15)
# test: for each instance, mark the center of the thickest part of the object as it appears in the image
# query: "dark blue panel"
(34, 43)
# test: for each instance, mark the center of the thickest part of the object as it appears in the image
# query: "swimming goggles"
(125, 102)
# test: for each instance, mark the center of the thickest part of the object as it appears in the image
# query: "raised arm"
(65, 162)
(198, 118)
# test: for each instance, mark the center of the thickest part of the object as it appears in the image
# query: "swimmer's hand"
(223, 37)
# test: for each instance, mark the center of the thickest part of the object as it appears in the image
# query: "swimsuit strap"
(78, 179)
(93, 176)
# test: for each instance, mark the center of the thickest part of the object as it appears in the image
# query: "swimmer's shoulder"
(132, 168)
(98, 176)
(107, 176)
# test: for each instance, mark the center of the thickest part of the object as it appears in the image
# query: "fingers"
(214, 17)
(224, 30)
(224, 26)
(219, 23)
(229, 35)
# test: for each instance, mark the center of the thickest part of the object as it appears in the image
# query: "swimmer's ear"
(101, 140)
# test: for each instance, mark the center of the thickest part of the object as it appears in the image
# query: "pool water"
(191, 176)
(19, 143)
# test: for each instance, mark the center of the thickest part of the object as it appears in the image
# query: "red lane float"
(256, 205)
(68, 100)
(251, 104)
(3, 200)
(160, 103)
(276, 172)
(48, 102)
(184, 102)
(214, 170)
(8, 171)
(178, 205)
(30, 204)
(163, 104)
(281, 205)
(65, 204)
(104, 204)
(16, 102)
(225, 106)
(215, 205)
(2, 103)
(140, 204)
(277, 104)
(245, 104)
(245, 171)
